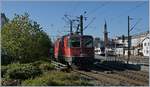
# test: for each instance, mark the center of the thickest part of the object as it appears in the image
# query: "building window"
(144, 44)
(147, 51)
(146, 48)
(148, 44)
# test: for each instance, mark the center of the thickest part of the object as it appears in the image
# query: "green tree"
(24, 40)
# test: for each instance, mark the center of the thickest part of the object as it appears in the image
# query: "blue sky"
(50, 13)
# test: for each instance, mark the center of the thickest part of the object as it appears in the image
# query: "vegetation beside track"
(39, 73)
(55, 78)
(26, 49)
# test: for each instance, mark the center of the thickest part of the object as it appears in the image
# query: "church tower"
(106, 43)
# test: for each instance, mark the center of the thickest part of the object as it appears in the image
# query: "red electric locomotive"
(74, 49)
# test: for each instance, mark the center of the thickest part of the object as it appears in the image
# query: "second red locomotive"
(74, 49)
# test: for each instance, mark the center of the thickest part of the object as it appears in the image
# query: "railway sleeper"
(139, 73)
(124, 79)
(131, 76)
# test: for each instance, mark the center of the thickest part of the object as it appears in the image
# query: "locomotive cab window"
(74, 42)
(87, 42)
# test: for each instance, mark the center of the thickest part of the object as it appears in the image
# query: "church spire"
(105, 27)
(105, 35)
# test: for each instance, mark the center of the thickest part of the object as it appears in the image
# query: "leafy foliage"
(22, 71)
(6, 59)
(3, 70)
(44, 65)
(24, 40)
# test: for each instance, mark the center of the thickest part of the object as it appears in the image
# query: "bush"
(3, 70)
(37, 63)
(22, 71)
(46, 67)
(56, 79)
(5, 59)
(43, 65)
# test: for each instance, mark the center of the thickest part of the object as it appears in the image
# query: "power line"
(89, 23)
(128, 11)
(135, 24)
(97, 8)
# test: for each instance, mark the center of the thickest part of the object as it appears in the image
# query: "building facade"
(99, 46)
(146, 46)
(137, 47)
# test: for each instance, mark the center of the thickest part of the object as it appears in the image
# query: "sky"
(50, 14)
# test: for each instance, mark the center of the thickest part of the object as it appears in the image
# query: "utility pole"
(115, 46)
(129, 37)
(123, 39)
(128, 40)
(71, 26)
(70, 22)
(81, 24)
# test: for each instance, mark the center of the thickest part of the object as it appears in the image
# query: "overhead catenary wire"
(128, 11)
(93, 11)
(118, 17)
(96, 9)
(89, 23)
(86, 13)
(135, 24)
(102, 6)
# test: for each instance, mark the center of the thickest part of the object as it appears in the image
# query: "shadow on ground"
(112, 65)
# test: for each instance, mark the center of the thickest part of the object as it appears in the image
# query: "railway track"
(140, 73)
(100, 78)
(116, 79)
(123, 80)
(111, 77)
(129, 76)
(59, 66)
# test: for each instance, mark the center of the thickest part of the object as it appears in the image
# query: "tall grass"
(56, 79)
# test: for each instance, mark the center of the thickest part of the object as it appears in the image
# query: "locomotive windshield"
(87, 42)
(74, 42)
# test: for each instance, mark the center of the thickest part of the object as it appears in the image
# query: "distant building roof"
(142, 34)
(146, 38)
